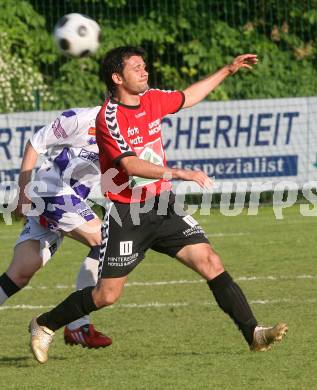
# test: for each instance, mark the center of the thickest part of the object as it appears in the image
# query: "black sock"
(8, 285)
(232, 301)
(76, 305)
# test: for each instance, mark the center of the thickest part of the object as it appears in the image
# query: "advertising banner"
(253, 141)
(15, 130)
(250, 141)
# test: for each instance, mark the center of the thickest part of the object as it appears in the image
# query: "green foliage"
(185, 41)
(78, 84)
(24, 45)
(22, 84)
(26, 31)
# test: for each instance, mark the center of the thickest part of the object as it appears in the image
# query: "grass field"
(167, 331)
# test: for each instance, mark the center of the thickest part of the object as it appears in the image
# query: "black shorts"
(128, 234)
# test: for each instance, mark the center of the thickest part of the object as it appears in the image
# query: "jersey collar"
(125, 105)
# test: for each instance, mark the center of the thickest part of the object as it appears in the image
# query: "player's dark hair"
(113, 62)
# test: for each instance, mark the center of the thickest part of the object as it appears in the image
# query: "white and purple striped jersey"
(72, 157)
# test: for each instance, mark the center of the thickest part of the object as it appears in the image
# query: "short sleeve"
(169, 101)
(57, 132)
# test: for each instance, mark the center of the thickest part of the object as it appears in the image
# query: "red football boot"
(86, 336)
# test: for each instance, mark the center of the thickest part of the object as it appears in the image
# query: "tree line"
(185, 40)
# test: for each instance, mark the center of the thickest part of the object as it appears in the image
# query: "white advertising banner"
(252, 141)
(15, 130)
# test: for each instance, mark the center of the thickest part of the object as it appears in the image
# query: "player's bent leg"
(76, 305)
(82, 302)
(25, 263)
(34, 247)
(82, 332)
(108, 291)
(229, 296)
(87, 276)
(88, 233)
(202, 259)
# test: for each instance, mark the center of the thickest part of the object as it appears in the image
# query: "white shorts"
(66, 212)
(62, 213)
(49, 240)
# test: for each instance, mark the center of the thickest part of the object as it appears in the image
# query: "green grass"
(185, 341)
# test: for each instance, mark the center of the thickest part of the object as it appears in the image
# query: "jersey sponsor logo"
(58, 129)
(134, 132)
(137, 140)
(92, 141)
(126, 248)
(190, 221)
(155, 130)
(92, 131)
(84, 212)
(155, 127)
(140, 114)
(194, 229)
(122, 261)
(88, 156)
(154, 123)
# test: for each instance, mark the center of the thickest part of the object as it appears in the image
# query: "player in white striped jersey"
(57, 207)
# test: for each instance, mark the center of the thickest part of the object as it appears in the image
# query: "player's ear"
(116, 78)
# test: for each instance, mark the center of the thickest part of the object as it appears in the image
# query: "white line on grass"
(175, 282)
(169, 304)
(228, 234)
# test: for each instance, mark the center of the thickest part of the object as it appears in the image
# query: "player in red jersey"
(142, 211)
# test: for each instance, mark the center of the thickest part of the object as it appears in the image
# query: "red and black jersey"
(123, 130)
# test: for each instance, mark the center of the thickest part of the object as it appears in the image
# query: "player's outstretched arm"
(28, 163)
(134, 166)
(198, 91)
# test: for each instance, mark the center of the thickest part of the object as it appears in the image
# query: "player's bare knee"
(24, 282)
(214, 263)
(24, 275)
(105, 298)
(21, 280)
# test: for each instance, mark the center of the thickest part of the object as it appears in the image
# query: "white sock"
(3, 295)
(87, 276)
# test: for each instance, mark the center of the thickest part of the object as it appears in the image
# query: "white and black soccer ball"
(77, 35)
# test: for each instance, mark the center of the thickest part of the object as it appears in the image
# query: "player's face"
(135, 75)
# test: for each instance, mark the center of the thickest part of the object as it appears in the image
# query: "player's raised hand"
(243, 61)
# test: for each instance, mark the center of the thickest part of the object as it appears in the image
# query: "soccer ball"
(77, 35)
